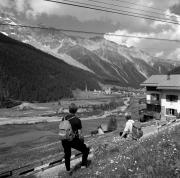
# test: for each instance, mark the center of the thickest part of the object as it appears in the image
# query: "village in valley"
(89, 89)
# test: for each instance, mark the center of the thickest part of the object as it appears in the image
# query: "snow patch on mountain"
(89, 44)
(105, 59)
(119, 74)
(4, 33)
(123, 71)
(136, 53)
(12, 23)
(138, 67)
(6, 18)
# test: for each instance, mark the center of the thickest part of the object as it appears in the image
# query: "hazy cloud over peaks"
(176, 8)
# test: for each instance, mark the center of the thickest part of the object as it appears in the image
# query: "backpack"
(65, 130)
(137, 131)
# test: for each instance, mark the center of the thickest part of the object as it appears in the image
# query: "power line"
(123, 11)
(167, 49)
(116, 5)
(138, 5)
(98, 8)
(88, 32)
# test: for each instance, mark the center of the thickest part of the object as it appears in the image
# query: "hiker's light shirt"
(100, 131)
(129, 125)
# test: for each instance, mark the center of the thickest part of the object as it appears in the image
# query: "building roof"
(163, 82)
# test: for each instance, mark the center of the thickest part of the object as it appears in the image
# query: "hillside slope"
(30, 74)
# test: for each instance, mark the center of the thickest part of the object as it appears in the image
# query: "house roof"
(162, 82)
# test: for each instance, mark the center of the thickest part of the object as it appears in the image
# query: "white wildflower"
(111, 161)
(130, 170)
(97, 173)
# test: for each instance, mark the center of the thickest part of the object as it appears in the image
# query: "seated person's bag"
(137, 132)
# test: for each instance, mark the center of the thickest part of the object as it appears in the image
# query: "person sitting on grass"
(127, 133)
(112, 124)
(106, 127)
(98, 131)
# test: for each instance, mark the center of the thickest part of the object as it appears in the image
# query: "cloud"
(15, 5)
(56, 15)
(20, 5)
(35, 8)
(159, 54)
(175, 54)
(4, 3)
(41, 6)
(69, 22)
(175, 9)
(157, 48)
(125, 40)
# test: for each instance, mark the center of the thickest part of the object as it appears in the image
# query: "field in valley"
(41, 109)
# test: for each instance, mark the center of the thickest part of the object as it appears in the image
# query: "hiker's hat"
(73, 108)
(127, 115)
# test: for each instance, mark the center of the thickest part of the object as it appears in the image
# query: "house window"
(154, 108)
(172, 98)
(155, 97)
(171, 112)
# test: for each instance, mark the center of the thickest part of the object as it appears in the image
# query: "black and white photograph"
(89, 88)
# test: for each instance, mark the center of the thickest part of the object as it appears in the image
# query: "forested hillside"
(32, 75)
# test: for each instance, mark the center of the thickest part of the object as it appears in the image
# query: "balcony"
(154, 102)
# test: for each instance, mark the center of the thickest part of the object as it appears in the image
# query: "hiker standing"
(77, 141)
(127, 133)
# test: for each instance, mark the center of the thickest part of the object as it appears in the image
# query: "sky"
(41, 12)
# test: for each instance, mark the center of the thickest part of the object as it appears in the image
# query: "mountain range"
(97, 59)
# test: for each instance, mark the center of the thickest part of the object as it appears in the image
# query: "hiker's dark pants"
(78, 145)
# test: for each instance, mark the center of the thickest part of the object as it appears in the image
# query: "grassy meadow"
(156, 156)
